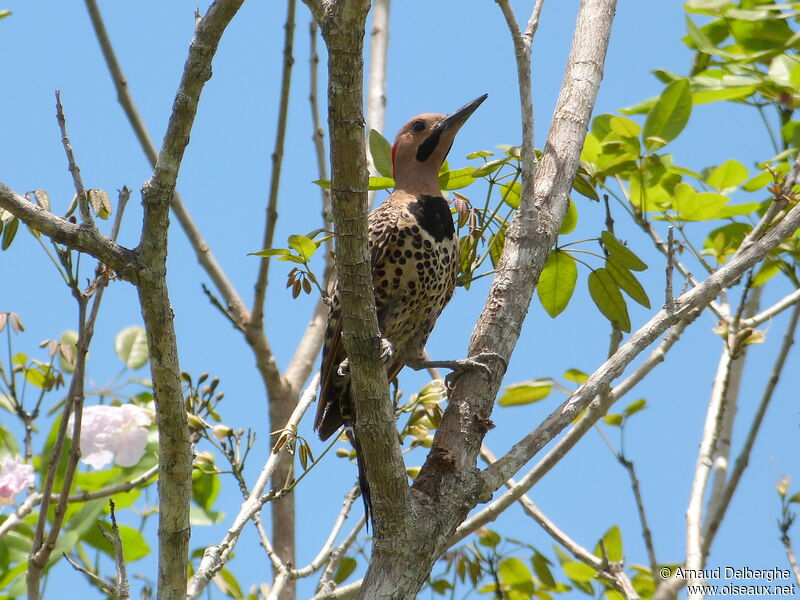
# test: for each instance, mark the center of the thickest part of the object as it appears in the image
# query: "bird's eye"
(418, 125)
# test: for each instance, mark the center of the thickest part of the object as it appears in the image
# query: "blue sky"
(441, 55)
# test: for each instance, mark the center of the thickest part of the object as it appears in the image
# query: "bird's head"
(422, 145)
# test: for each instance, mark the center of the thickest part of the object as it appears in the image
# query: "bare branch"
(616, 576)
(175, 455)
(216, 556)
(343, 31)
(257, 313)
(83, 200)
(787, 546)
(647, 534)
(78, 237)
(772, 311)
(122, 587)
(596, 410)
(695, 298)
(327, 548)
(317, 8)
(718, 509)
(204, 254)
(104, 585)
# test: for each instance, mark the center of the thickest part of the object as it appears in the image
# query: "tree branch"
(343, 31)
(203, 252)
(78, 237)
(597, 409)
(216, 556)
(697, 297)
(175, 455)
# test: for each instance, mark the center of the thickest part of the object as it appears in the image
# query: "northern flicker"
(414, 259)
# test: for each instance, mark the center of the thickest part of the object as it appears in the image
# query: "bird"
(414, 257)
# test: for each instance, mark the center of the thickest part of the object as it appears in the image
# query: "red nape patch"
(394, 149)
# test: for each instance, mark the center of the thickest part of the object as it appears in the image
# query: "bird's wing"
(334, 407)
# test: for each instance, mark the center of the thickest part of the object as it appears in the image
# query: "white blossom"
(15, 476)
(116, 433)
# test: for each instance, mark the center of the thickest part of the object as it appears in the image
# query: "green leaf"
(696, 5)
(526, 392)
(670, 113)
(515, 574)
(628, 283)
(620, 254)
(227, 584)
(575, 375)
(578, 571)
(201, 517)
(624, 127)
(496, 242)
(302, 245)
(727, 176)
(205, 488)
(4, 13)
(134, 546)
(271, 252)
(736, 210)
(570, 221)
(704, 96)
(511, 193)
(323, 183)
(489, 167)
(583, 186)
(480, 154)
(635, 407)
(380, 183)
(541, 566)
(557, 282)
(40, 376)
(131, 346)
(767, 271)
(440, 586)
(608, 299)
(9, 232)
(724, 241)
(455, 180)
(612, 542)
(613, 419)
(381, 152)
(345, 569)
(8, 443)
(488, 538)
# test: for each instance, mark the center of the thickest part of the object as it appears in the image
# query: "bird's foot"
(344, 368)
(386, 353)
(457, 367)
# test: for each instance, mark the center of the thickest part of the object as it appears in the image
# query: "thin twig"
(122, 588)
(595, 412)
(670, 298)
(202, 250)
(216, 556)
(787, 546)
(104, 585)
(257, 312)
(80, 190)
(647, 534)
(772, 311)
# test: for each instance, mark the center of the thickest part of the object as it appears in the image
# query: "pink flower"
(107, 431)
(15, 476)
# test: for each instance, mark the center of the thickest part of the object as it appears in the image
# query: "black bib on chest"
(433, 215)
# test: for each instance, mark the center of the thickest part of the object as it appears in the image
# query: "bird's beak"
(458, 118)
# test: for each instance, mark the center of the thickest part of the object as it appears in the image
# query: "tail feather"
(363, 484)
